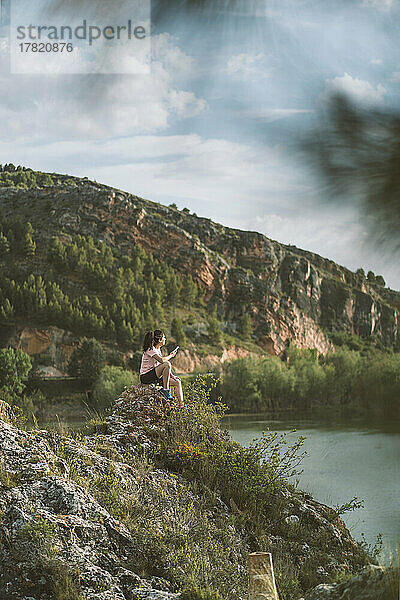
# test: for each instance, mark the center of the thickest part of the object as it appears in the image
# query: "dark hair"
(151, 338)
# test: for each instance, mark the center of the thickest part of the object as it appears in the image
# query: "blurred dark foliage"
(356, 152)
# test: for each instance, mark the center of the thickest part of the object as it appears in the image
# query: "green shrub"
(257, 384)
(196, 593)
(14, 368)
(339, 379)
(8, 478)
(31, 404)
(214, 329)
(190, 547)
(87, 360)
(111, 384)
(107, 489)
(245, 326)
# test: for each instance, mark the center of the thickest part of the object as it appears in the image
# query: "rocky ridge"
(64, 504)
(292, 294)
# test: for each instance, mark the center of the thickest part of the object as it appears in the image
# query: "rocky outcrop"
(373, 583)
(40, 508)
(81, 513)
(292, 294)
(52, 344)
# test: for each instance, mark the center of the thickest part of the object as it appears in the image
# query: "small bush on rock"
(195, 445)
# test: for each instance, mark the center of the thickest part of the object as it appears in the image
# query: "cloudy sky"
(215, 124)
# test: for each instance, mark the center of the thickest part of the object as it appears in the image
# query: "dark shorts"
(151, 377)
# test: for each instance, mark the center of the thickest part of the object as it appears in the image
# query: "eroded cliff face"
(291, 294)
(52, 344)
(188, 361)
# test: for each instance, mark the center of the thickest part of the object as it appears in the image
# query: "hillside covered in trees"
(98, 262)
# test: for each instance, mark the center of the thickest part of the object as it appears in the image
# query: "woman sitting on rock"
(156, 368)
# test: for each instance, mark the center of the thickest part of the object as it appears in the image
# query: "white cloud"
(186, 104)
(249, 66)
(165, 51)
(361, 91)
(376, 61)
(63, 106)
(379, 4)
(395, 78)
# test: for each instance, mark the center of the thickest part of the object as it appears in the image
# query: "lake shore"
(346, 457)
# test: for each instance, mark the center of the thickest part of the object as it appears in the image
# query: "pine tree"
(29, 245)
(174, 289)
(7, 310)
(214, 329)
(87, 360)
(245, 326)
(4, 245)
(201, 292)
(178, 333)
(14, 368)
(189, 291)
(56, 253)
(73, 367)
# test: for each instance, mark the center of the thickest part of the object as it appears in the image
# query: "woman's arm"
(163, 359)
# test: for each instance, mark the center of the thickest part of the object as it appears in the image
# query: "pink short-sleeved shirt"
(148, 361)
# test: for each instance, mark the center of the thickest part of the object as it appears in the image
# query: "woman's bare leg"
(177, 385)
(164, 371)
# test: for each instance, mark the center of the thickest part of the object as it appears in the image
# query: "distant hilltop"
(81, 231)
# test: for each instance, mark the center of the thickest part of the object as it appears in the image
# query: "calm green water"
(346, 457)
